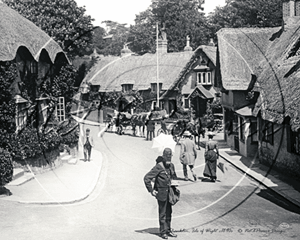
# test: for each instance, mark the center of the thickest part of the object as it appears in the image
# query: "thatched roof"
(17, 31)
(111, 72)
(210, 51)
(278, 79)
(240, 52)
(273, 56)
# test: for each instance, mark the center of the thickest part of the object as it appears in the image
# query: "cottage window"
(154, 87)
(253, 128)
(268, 132)
(127, 87)
(60, 109)
(293, 141)
(204, 78)
(21, 116)
(242, 129)
(33, 67)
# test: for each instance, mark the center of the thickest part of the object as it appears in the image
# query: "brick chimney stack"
(291, 11)
(162, 40)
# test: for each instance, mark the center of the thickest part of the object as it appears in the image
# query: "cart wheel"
(120, 130)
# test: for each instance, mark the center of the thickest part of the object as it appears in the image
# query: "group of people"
(164, 172)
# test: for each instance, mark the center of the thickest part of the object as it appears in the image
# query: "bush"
(29, 143)
(69, 132)
(6, 167)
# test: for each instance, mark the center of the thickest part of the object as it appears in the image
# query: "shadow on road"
(154, 231)
(278, 200)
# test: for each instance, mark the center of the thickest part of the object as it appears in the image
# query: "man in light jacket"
(188, 154)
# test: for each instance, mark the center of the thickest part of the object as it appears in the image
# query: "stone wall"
(285, 162)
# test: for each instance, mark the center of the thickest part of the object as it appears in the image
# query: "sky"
(122, 11)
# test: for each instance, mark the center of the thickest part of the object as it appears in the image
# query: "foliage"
(119, 34)
(181, 18)
(6, 167)
(8, 73)
(30, 143)
(64, 21)
(216, 105)
(247, 13)
(69, 132)
(62, 85)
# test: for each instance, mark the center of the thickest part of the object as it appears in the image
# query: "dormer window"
(154, 87)
(204, 78)
(127, 87)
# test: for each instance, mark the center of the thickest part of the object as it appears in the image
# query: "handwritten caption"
(229, 230)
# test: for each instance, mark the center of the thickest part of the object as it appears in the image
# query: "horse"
(138, 122)
(196, 128)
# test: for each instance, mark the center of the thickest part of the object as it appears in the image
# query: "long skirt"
(210, 169)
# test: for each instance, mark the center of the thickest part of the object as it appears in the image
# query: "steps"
(20, 177)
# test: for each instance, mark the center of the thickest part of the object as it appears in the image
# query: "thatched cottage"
(34, 52)
(259, 77)
(183, 77)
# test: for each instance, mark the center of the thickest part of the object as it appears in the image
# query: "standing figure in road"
(163, 173)
(150, 128)
(88, 143)
(211, 156)
(188, 154)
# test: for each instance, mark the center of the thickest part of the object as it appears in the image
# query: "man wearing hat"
(188, 154)
(88, 143)
(163, 173)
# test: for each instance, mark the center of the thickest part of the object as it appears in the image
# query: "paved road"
(121, 208)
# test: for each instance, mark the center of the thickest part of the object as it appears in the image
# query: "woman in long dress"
(211, 156)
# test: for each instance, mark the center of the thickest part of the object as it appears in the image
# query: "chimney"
(125, 51)
(211, 43)
(162, 40)
(188, 47)
(291, 11)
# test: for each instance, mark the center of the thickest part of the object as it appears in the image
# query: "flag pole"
(157, 69)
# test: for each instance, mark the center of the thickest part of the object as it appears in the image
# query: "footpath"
(71, 182)
(271, 179)
(75, 180)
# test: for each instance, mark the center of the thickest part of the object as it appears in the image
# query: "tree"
(247, 13)
(119, 37)
(8, 73)
(181, 18)
(64, 21)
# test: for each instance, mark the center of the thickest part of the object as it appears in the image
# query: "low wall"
(285, 162)
(42, 163)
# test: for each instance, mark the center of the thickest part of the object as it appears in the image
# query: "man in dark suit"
(163, 173)
(88, 143)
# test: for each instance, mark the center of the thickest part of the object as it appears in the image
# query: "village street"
(121, 208)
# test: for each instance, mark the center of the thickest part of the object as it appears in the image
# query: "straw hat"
(187, 134)
(210, 133)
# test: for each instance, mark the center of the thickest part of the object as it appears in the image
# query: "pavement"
(75, 179)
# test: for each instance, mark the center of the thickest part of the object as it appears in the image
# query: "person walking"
(163, 173)
(150, 128)
(188, 155)
(88, 143)
(211, 156)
